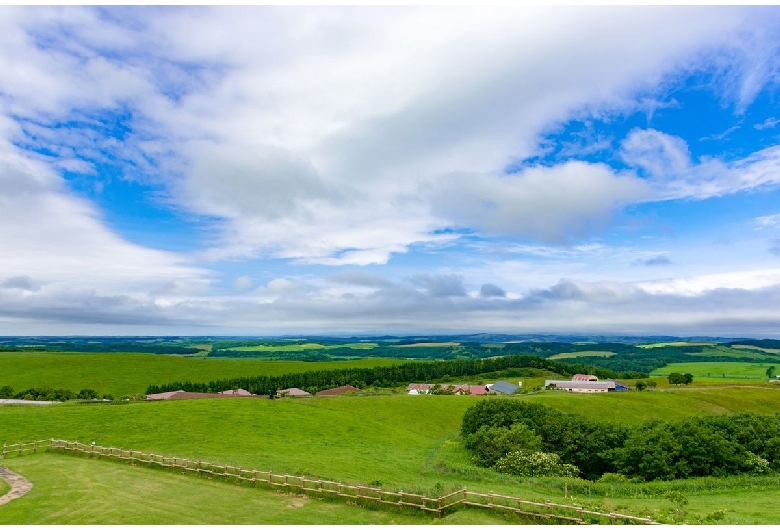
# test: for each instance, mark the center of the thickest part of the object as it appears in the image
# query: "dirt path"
(19, 485)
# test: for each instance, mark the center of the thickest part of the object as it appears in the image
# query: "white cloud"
(544, 203)
(767, 221)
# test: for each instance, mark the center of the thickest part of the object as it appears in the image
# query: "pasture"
(719, 371)
(131, 373)
(400, 442)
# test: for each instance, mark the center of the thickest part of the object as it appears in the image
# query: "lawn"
(720, 371)
(131, 373)
(72, 490)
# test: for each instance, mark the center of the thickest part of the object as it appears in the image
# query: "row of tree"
(695, 447)
(47, 394)
(387, 376)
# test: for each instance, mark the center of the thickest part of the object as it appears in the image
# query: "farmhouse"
(339, 390)
(585, 383)
(292, 392)
(503, 387)
(416, 389)
(237, 392)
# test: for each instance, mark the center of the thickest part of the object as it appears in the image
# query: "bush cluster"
(696, 447)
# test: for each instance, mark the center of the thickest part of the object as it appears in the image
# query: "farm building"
(292, 392)
(503, 387)
(415, 389)
(337, 391)
(181, 394)
(584, 377)
(580, 386)
(237, 392)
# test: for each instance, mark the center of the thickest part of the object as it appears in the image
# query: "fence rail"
(325, 488)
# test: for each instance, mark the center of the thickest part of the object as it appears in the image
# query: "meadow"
(395, 441)
(131, 373)
(574, 355)
(719, 371)
(400, 442)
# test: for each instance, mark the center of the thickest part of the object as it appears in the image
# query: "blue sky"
(390, 170)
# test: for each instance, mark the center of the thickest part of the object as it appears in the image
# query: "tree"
(651, 385)
(770, 372)
(87, 393)
(640, 385)
(676, 378)
(687, 379)
(6, 392)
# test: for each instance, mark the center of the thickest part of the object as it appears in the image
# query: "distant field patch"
(721, 371)
(728, 352)
(427, 345)
(304, 347)
(747, 347)
(676, 343)
(574, 354)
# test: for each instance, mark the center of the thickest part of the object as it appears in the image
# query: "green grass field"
(407, 443)
(131, 373)
(722, 371)
(4, 488)
(73, 490)
(758, 348)
(575, 354)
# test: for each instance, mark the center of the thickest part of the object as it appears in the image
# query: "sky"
(401, 170)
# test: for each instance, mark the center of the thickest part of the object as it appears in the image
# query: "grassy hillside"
(131, 373)
(401, 442)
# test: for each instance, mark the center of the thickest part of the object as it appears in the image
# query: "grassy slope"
(306, 347)
(130, 373)
(705, 371)
(387, 438)
(4, 487)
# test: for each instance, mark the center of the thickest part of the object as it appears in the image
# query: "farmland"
(131, 373)
(337, 438)
(722, 371)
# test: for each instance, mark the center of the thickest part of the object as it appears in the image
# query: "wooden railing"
(325, 488)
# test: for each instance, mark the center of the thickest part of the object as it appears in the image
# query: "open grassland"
(575, 354)
(362, 439)
(307, 346)
(722, 371)
(131, 373)
(407, 443)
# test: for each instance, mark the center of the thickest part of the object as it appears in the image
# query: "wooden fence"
(550, 511)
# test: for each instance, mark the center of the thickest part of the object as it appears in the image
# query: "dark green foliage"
(87, 393)
(490, 444)
(384, 376)
(6, 392)
(696, 447)
(46, 394)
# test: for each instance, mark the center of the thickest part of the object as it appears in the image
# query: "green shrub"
(535, 464)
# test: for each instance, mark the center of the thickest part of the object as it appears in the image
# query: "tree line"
(387, 376)
(503, 434)
(49, 394)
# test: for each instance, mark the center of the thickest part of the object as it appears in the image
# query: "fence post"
(611, 517)
(400, 497)
(490, 498)
(5, 449)
(35, 446)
